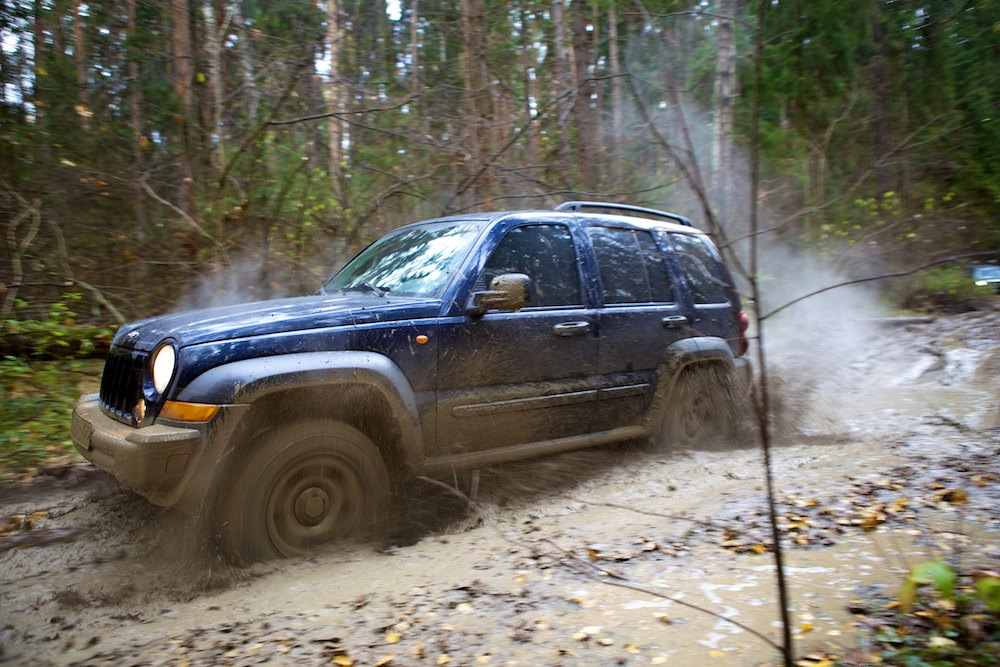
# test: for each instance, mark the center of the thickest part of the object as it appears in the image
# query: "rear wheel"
(305, 485)
(699, 411)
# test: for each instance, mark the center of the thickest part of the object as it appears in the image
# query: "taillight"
(744, 340)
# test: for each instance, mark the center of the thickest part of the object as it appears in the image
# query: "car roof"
(603, 219)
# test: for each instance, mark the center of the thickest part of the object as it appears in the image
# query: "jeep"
(450, 344)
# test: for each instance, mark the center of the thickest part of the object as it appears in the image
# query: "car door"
(709, 285)
(640, 317)
(511, 378)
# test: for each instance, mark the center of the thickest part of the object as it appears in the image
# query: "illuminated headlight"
(163, 362)
(982, 283)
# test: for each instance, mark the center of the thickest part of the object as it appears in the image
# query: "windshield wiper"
(368, 287)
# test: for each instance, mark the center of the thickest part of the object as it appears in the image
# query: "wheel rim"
(313, 500)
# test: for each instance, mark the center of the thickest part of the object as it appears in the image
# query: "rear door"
(515, 378)
(641, 316)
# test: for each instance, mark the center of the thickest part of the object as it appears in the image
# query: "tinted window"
(631, 266)
(702, 269)
(544, 253)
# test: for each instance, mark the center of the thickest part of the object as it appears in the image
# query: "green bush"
(946, 290)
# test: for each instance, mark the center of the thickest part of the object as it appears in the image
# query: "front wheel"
(700, 409)
(305, 485)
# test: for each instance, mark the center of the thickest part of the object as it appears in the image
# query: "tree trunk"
(80, 63)
(563, 85)
(335, 103)
(725, 92)
(415, 78)
(614, 58)
(39, 50)
(180, 39)
(244, 51)
(479, 113)
(583, 112)
(213, 56)
(528, 56)
(135, 114)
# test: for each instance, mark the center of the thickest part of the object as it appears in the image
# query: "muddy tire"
(699, 412)
(305, 485)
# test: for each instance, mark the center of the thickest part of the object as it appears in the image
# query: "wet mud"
(889, 456)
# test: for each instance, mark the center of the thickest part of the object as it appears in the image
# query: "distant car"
(987, 275)
(450, 344)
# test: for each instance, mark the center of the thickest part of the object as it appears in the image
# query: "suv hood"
(269, 317)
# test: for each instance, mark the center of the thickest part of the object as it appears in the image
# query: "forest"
(167, 154)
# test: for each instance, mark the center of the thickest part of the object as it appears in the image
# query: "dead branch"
(881, 276)
(673, 517)
(184, 215)
(343, 114)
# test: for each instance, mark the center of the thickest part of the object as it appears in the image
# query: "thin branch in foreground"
(614, 579)
(882, 276)
(606, 576)
(674, 517)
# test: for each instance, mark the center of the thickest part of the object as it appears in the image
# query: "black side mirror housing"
(509, 291)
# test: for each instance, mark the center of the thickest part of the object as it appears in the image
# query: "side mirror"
(507, 292)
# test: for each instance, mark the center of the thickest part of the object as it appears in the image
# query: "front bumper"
(151, 460)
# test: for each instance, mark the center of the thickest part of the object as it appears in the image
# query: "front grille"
(121, 384)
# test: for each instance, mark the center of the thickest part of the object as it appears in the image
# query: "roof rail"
(580, 205)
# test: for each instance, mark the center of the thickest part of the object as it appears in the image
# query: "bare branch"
(343, 114)
(882, 276)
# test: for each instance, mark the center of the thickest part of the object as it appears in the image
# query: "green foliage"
(932, 572)
(949, 289)
(36, 402)
(55, 334)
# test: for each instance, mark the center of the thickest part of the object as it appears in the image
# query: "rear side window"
(702, 269)
(545, 253)
(631, 266)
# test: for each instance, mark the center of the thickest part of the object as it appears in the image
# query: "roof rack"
(580, 205)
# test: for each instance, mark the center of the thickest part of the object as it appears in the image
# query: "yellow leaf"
(758, 549)
(391, 637)
(717, 654)
(201, 77)
(382, 662)
(806, 627)
(343, 661)
(443, 660)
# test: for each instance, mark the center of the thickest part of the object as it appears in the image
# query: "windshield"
(414, 262)
(986, 273)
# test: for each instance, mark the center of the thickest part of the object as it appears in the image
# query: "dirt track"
(891, 457)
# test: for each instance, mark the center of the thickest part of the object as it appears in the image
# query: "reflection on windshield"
(415, 262)
(986, 273)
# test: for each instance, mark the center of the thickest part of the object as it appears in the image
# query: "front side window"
(702, 269)
(415, 262)
(631, 266)
(544, 253)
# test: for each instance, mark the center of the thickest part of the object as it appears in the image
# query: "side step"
(529, 450)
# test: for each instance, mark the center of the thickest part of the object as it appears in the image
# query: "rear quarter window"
(702, 268)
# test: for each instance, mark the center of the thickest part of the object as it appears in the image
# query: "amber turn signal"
(189, 412)
(422, 339)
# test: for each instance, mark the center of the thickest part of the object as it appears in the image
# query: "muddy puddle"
(587, 558)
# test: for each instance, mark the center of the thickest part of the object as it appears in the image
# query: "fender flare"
(680, 355)
(246, 381)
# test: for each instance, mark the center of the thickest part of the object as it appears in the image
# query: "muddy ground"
(602, 557)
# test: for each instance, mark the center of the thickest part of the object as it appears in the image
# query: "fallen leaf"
(342, 660)
(391, 637)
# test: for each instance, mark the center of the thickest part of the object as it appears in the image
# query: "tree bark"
(213, 56)
(725, 92)
(614, 58)
(335, 103)
(180, 39)
(80, 64)
(583, 111)
(135, 113)
(563, 85)
(415, 78)
(479, 112)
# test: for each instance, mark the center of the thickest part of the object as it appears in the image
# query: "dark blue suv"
(449, 344)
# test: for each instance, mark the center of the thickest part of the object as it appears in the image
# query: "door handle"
(674, 321)
(571, 328)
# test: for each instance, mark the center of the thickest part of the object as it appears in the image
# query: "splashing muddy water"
(878, 447)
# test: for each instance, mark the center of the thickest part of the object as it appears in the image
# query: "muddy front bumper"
(171, 465)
